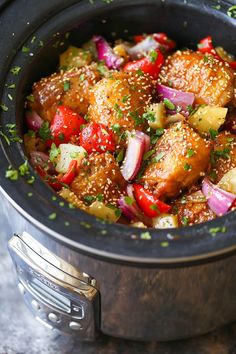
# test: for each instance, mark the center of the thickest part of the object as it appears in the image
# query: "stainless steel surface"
(58, 294)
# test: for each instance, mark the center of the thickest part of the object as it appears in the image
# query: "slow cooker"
(76, 273)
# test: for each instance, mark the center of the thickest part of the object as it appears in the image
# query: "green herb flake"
(5, 137)
(54, 198)
(52, 216)
(164, 244)
(139, 72)
(129, 200)
(190, 152)
(213, 133)
(61, 204)
(118, 110)
(33, 39)
(117, 213)
(40, 43)
(148, 154)
(30, 194)
(116, 128)
(158, 157)
(11, 174)
(89, 199)
(30, 98)
(169, 105)
(154, 207)
(187, 167)
(44, 131)
(126, 98)
(24, 169)
(149, 116)
(66, 86)
(103, 232)
(31, 180)
(185, 221)
(85, 224)
(25, 49)
(145, 235)
(232, 11)
(66, 223)
(15, 70)
(54, 152)
(216, 7)
(3, 107)
(82, 77)
(11, 86)
(153, 55)
(215, 230)
(120, 156)
(10, 97)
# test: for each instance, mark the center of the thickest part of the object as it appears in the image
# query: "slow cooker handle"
(58, 294)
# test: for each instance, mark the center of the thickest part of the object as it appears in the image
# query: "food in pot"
(138, 133)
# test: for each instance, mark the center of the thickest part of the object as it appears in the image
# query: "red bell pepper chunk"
(96, 137)
(149, 65)
(232, 64)
(69, 176)
(205, 46)
(57, 182)
(148, 203)
(161, 38)
(65, 124)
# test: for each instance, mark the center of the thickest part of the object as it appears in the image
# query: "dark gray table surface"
(21, 334)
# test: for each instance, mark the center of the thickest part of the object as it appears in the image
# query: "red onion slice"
(137, 145)
(33, 120)
(218, 200)
(178, 98)
(132, 212)
(41, 159)
(142, 48)
(106, 53)
(146, 139)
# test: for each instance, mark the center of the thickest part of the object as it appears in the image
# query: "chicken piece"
(211, 80)
(70, 88)
(120, 100)
(99, 175)
(181, 157)
(223, 157)
(192, 209)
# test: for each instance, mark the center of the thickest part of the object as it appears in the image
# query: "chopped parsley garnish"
(215, 230)
(169, 104)
(82, 77)
(30, 98)
(30, 194)
(54, 152)
(140, 73)
(24, 169)
(11, 86)
(120, 156)
(216, 7)
(15, 70)
(154, 207)
(66, 86)
(136, 117)
(125, 98)
(117, 213)
(149, 116)
(25, 49)
(213, 133)
(224, 154)
(148, 154)
(3, 107)
(66, 223)
(129, 200)
(5, 137)
(52, 216)
(156, 135)
(102, 69)
(187, 167)
(11, 174)
(118, 110)
(185, 221)
(190, 152)
(164, 244)
(116, 128)
(10, 97)
(232, 11)
(153, 56)
(145, 235)
(158, 157)
(13, 133)
(44, 131)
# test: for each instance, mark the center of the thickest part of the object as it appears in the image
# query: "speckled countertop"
(21, 334)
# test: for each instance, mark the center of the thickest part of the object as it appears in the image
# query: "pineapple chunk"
(69, 152)
(165, 221)
(157, 115)
(100, 210)
(228, 181)
(207, 117)
(75, 57)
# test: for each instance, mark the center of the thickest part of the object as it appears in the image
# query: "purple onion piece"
(41, 159)
(218, 200)
(134, 156)
(143, 47)
(33, 120)
(145, 138)
(106, 53)
(179, 98)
